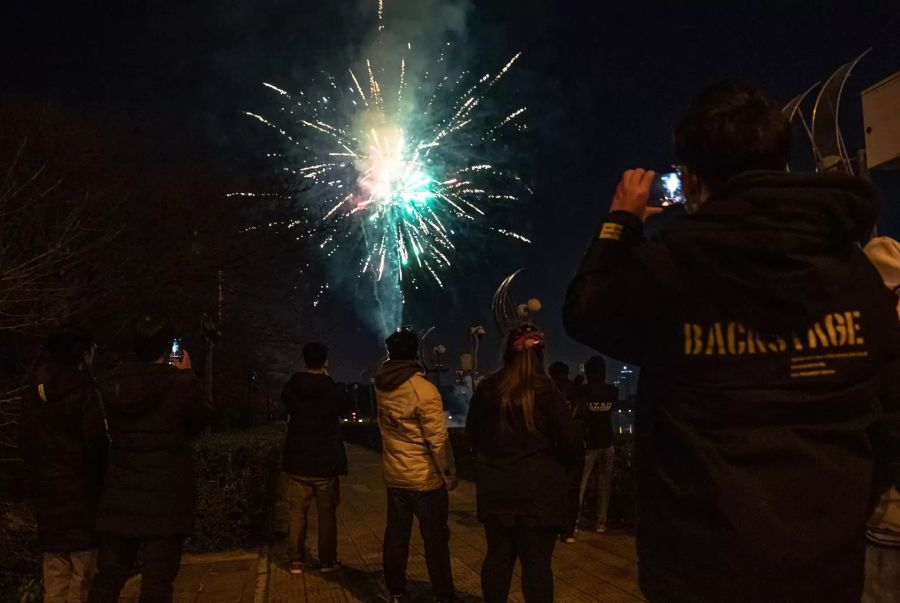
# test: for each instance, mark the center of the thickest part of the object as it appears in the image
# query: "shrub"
(238, 477)
(20, 578)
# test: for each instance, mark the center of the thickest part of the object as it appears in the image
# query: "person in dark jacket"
(763, 334)
(559, 374)
(593, 404)
(525, 442)
(154, 406)
(314, 456)
(63, 442)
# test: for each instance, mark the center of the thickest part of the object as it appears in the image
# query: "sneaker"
(296, 567)
(327, 568)
(567, 538)
(601, 528)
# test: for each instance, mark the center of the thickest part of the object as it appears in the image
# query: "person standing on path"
(594, 403)
(154, 406)
(314, 456)
(418, 467)
(63, 443)
(526, 444)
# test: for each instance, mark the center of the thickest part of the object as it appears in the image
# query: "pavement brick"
(596, 568)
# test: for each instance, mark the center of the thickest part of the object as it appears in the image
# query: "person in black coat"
(766, 342)
(314, 455)
(63, 442)
(525, 442)
(153, 409)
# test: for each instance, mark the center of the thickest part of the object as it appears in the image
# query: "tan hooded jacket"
(884, 525)
(416, 448)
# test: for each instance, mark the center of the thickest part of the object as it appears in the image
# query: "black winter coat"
(153, 411)
(522, 476)
(314, 447)
(764, 337)
(63, 442)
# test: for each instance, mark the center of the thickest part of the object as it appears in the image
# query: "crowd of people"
(764, 321)
(110, 463)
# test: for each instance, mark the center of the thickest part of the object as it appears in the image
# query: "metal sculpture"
(828, 143)
(507, 313)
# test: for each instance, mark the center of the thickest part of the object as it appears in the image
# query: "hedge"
(238, 476)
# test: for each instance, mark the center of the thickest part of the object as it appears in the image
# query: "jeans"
(532, 546)
(327, 494)
(432, 509)
(601, 459)
(882, 574)
(573, 496)
(115, 564)
(68, 576)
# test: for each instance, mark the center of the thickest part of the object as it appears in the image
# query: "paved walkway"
(596, 568)
(214, 578)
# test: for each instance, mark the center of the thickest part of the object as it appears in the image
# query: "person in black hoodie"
(63, 443)
(763, 334)
(314, 456)
(593, 403)
(153, 409)
(525, 443)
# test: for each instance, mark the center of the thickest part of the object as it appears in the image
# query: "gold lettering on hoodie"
(834, 330)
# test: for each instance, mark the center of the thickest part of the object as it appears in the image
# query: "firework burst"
(398, 171)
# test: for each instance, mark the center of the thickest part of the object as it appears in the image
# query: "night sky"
(604, 87)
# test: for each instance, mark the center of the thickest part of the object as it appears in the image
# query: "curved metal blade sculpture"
(507, 313)
(828, 144)
(792, 111)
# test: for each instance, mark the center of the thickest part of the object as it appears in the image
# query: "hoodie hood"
(884, 253)
(134, 388)
(394, 373)
(775, 240)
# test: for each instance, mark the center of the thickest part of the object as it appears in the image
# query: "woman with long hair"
(525, 441)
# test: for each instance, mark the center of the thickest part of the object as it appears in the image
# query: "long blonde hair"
(523, 367)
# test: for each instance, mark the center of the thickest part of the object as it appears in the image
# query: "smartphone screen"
(666, 190)
(176, 354)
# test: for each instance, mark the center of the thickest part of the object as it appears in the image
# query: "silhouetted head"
(151, 337)
(595, 369)
(403, 345)
(729, 128)
(315, 355)
(71, 346)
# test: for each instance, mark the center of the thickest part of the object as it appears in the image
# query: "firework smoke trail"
(393, 179)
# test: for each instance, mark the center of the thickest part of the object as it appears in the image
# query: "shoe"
(567, 538)
(601, 528)
(296, 567)
(327, 568)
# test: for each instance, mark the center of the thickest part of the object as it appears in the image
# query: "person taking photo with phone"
(764, 338)
(154, 405)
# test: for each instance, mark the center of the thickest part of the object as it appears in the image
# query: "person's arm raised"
(606, 302)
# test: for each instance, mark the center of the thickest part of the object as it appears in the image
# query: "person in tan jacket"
(883, 530)
(418, 467)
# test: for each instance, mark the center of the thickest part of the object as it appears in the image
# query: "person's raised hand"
(633, 193)
(185, 362)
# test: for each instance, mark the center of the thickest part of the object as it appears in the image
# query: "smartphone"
(176, 354)
(666, 190)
